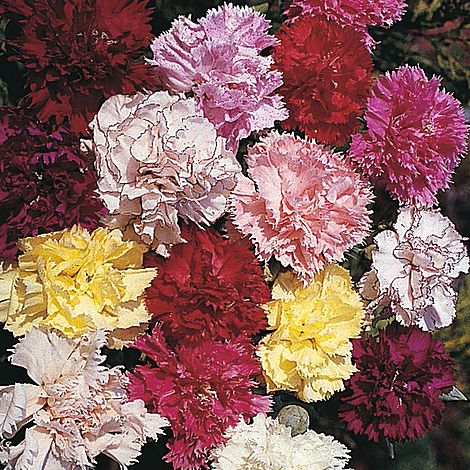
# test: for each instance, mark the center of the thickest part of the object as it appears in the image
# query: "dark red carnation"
(46, 183)
(202, 390)
(209, 287)
(77, 53)
(327, 74)
(396, 392)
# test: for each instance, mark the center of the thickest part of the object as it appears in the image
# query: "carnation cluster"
(220, 233)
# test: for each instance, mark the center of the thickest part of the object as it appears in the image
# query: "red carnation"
(79, 52)
(208, 288)
(202, 390)
(327, 75)
(47, 183)
(396, 392)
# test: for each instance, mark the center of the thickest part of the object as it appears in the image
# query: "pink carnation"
(310, 206)
(219, 59)
(358, 14)
(415, 138)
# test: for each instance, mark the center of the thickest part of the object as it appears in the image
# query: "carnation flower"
(47, 183)
(76, 281)
(309, 350)
(157, 159)
(266, 444)
(219, 59)
(414, 268)
(357, 14)
(79, 408)
(202, 390)
(327, 75)
(208, 288)
(396, 392)
(78, 53)
(310, 206)
(416, 136)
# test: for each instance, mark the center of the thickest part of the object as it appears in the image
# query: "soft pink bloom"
(219, 59)
(358, 14)
(310, 206)
(159, 159)
(415, 138)
(414, 269)
(79, 408)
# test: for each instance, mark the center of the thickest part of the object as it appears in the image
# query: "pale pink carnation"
(219, 59)
(416, 136)
(159, 159)
(310, 206)
(358, 14)
(78, 409)
(414, 269)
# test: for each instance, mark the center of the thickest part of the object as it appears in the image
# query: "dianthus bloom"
(414, 268)
(202, 390)
(310, 206)
(157, 159)
(309, 351)
(47, 183)
(79, 408)
(208, 288)
(267, 444)
(80, 52)
(219, 59)
(415, 138)
(396, 392)
(357, 14)
(76, 281)
(327, 75)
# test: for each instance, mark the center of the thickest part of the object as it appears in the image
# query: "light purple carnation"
(219, 59)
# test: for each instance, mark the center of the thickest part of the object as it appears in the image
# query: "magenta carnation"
(396, 392)
(416, 136)
(219, 59)
(47, 183)
(201, 390)
(310, 206)
(358, 14)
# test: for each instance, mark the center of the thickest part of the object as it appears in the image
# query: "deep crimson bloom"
(79, 52)
(395, 393)
(46, 183)
(209, 287)
(201, 390)
(327, 75)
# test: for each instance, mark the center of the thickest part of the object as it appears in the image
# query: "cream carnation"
(159, 159)
(267, 444)
(79, 407)
(414, 268)
(310, 206)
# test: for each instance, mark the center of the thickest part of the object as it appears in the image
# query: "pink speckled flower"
(415, 138)
(358, 14)
(414, 268)
(159, 159)
(310, 206)
(219, 59)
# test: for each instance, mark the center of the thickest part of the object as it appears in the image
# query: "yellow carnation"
(76, 281)
(309, 351)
